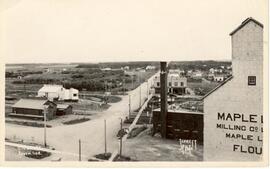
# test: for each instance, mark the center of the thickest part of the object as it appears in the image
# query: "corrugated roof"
(50, 88)
(30, 104)
(244, 23)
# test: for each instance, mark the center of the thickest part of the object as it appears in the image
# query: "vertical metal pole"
(45, 125)
(105, 136)
(80, 151)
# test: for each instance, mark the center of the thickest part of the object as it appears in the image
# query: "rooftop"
(51, 88)
(62, 106)
(244, 23)
(30, 104)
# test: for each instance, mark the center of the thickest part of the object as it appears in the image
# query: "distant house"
(63, 109)
(106, 69)
(149, 67)
(46, 70)
(210, 76)
(130, 73)
(212, 70)
(58, 92)
(219, 77)
(126, 68)
(197, 75)
(34, 108)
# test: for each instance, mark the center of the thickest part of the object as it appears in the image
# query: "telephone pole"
(129, 106)
(121, 127)
(105, 137)
(80, 151)
(45, 125)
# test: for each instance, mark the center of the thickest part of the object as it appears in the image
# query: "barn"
(33, 109)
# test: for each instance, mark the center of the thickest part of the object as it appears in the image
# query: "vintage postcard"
(132, 83)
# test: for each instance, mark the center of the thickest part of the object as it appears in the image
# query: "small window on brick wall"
(251, 80)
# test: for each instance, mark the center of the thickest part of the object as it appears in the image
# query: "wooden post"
(129, 106)
(80, 151)
(120, 151)
(105, 137)
(45, 125)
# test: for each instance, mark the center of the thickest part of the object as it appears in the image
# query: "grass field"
(203, 87)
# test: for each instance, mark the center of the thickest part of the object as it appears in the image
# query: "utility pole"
(129, 106)
(105, 137)
(132, 80)
(80, 151)
(121, 127)
(24, 89)
(123, 86)
(147, 91)
(45, 125)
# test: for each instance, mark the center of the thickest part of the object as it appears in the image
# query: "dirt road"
(65, 138)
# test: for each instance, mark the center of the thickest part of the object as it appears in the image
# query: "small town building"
(212, 70)
(233, 111)
(197, 75)
(219, 77)
(150, 67)
(63, 109)
(106, 69)
(58, 92)
(34, 109)
(181, 124)
(177, 84)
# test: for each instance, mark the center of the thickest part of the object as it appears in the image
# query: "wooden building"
(63, 109)
(34, 109)
(180, 124)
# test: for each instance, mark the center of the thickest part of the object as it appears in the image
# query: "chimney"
(163, 98)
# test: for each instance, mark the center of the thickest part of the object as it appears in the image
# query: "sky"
(49, 31)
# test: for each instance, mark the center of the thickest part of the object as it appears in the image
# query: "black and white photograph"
(115, 81)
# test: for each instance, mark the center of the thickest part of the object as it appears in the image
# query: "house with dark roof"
(34, 109)
(236, 105)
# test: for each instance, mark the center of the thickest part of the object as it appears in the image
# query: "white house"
(219, 77)
(233, 112)
(149, 67)
(58, 92)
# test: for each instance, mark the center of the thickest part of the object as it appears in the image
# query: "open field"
(203, 87)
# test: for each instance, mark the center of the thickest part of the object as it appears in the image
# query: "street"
(65, 138)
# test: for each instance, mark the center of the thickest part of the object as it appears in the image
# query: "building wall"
(237, 97)
(181, 125)
(28, 111)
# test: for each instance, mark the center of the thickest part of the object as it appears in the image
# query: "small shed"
(63, 109)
